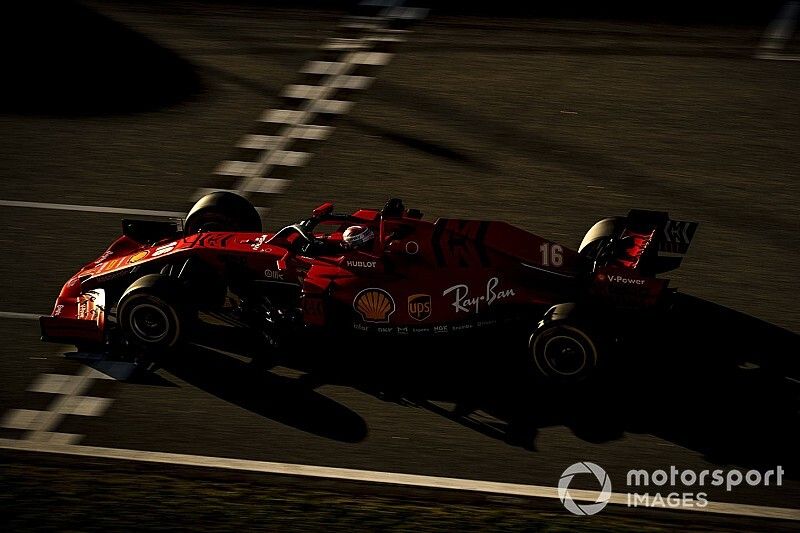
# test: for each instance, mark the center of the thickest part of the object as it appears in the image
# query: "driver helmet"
(357, 237)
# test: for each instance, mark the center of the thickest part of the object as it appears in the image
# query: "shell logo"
(138, 256)
(374, 305)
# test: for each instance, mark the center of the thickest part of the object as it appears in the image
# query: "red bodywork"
(418, 276)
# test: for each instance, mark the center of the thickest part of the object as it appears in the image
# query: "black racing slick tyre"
(153, 315)
(598, 237)
(562, 350)
(222, 211)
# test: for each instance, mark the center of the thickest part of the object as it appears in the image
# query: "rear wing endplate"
(671, 236)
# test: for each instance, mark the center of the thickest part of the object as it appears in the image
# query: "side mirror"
(323, 210)
(393, 208)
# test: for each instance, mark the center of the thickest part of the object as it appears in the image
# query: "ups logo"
(419, 306)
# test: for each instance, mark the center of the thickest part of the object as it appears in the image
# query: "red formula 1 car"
(413, 277)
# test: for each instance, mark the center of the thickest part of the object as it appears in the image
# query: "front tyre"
(563, 352)
(222, 211)
(151, 314)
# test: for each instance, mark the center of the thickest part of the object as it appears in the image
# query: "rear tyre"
(153, 315)
(222, 211)
(561, 349)
(597, 238)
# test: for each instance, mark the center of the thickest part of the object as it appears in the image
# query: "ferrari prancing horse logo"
(374, 305)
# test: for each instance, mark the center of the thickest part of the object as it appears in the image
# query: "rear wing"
(662, 235)
(673, 236)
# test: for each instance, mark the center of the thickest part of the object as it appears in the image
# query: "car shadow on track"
(231, 377)
(708, 379)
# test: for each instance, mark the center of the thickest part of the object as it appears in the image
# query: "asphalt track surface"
(549, 125)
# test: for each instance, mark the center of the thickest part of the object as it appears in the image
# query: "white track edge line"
(392, 478)
(93, 209)
(776, 56)
(21, 316)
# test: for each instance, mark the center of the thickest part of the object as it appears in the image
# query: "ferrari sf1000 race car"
(401, 276)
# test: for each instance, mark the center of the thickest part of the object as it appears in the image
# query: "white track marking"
(310, 92)
(363, 23)
(60, 406)
(19, 316)
(324, 68)
(265, 186)
(250, 183)
(370, 476)
(33, 421)
(54, 438)
(67, 384)
(287, 158)
(69, 389)
(283, 116)
(268, 186)
(235, 168)
(83, 406)
(320, 99)
(28, 419)
(391, 38)
(370, 58)
(345, 44)
(776, 57)
(352, 82)
(259, 142)
(331, 107)
(93, 209)
(310, 132)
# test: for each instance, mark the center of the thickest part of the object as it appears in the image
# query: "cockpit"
(323, 234)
